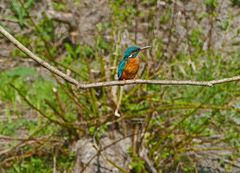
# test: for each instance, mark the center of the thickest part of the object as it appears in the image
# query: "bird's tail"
(119, 102)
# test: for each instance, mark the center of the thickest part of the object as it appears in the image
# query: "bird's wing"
(121, 67)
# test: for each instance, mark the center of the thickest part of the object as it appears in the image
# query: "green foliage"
(40, 91)
(46, 28)
(137, 165)
(20, 72)
(166, 16)
(87, 51)
(224, 25)
(58, 6)
(21, 10)
(235, 2)
(98, 132)
(12, 127)
(195, 38)
(14, 76)
(73, 52)
(211, 4)
(34, 165)
(123, 10)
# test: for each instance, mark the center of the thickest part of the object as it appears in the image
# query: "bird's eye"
(131, 56)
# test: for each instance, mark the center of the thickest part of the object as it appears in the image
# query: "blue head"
(131, 52)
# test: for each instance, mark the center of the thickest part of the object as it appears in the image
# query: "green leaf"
(211, 4)
(18, 11)
(21, 72)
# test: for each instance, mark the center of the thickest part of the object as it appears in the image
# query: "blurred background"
(47, 125)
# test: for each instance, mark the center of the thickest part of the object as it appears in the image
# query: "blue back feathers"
(123, 62)
(121, 67)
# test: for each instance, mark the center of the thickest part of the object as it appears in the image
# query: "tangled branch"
(109, 83)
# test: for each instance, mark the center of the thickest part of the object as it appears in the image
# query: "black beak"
(146, 47)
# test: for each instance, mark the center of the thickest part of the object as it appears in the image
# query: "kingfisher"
(129, 65)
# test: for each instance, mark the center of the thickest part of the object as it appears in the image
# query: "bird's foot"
(134, 79)
(116, 113)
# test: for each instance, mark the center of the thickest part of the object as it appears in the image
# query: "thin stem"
(110, 83)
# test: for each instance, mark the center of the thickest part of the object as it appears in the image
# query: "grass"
(176, 120)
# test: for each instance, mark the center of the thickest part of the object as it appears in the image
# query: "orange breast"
(131, 68)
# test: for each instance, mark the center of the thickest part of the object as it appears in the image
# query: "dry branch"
(110, 83)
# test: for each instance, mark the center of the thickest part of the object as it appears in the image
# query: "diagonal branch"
(36, 58)
(110, 83)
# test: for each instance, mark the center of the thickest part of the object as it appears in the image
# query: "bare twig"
(36, 58)
(110, 83)
(148, 161)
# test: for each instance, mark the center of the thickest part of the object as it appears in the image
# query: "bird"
(129, 65)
